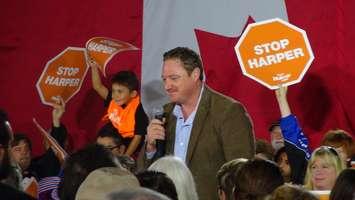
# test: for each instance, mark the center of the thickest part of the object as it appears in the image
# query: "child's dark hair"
(126, 78)
(108, 130)
(158, 181)
(18, 137)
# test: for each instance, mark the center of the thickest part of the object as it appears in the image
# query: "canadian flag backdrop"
(33, 32)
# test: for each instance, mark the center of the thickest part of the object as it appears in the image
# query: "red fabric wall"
(33, 32)
(324, 99)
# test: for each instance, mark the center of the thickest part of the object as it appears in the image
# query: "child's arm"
(96, 80)
(133, 145)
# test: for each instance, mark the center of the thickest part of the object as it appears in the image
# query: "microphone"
(158, 113)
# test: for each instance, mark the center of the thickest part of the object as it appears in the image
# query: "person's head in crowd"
(78, 165)
(109, 138)
(281, 159)
(5, 163)
(21, 149)
(125, 87)
(291, 192)
(179, 173)
(4, 134)
(276, 137)
(341, 141)
(101, 182)
(182, 74)
(5, 166)
(344, 187)
(8, 175)
(263, 150)
(226, 176)
(323, 168)
(158, 181)
(257, 179)
(136, 194)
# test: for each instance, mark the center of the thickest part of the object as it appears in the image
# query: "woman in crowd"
(323, 168)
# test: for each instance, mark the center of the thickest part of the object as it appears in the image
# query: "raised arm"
(281, 96)
(57, 112)
(296, 143)
(96, 80)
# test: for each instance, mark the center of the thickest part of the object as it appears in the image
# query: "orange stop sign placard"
(62, 75)
(274, 52)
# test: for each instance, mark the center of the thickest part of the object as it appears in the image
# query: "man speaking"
(202, 127)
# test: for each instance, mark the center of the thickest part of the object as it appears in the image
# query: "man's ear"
(133, 93)
(196, 73)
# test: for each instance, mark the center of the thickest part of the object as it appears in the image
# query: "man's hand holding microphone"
(156, 133)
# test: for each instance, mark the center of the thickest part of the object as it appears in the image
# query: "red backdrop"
(33, 32)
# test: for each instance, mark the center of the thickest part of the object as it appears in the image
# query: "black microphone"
(158, 113)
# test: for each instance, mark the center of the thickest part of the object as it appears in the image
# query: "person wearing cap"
(276, 137)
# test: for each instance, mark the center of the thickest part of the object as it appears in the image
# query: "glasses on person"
(330, 149)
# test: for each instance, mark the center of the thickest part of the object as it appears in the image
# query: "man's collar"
(177, 111)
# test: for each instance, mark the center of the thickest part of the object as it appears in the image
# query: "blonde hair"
(329, 156)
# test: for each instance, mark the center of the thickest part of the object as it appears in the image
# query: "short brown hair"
(339, 138)
(256, 179)
(226, 176)
(292, 192)
(188, 57)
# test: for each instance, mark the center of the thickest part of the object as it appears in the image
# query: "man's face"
(178, 84)
(21, 154)
(109, 144)
(121, 94)
(277, 140)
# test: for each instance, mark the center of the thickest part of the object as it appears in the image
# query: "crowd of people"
(189, 153)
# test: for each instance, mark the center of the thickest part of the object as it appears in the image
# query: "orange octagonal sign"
(274, 52)
(62, 76)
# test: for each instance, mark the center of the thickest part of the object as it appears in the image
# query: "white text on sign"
(271, 47)
(64, 82)
(93, 46)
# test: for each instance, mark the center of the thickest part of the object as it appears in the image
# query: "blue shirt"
(183, 129)
(294, 135)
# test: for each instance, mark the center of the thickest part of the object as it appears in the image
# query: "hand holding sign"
(58, 150)
(58, 111)
(64, 74)
(274, 52)
(101, 50)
